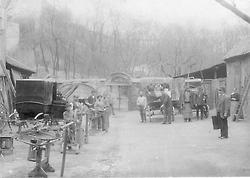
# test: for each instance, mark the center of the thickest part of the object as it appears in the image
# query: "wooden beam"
(8, 78)
(233, 9)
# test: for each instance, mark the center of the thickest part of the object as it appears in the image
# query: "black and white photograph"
(124, 88)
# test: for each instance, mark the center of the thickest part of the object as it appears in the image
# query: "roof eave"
(236, 57)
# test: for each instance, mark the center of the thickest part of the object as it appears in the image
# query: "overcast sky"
(206, 13)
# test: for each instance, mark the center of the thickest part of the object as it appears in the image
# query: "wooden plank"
(64, 151)
(244, 97)
(8, 78)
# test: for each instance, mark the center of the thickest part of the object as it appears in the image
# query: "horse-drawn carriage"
(154, 102)
(152, 87)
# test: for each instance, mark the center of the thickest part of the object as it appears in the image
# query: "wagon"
(154, 103)
(153, 109)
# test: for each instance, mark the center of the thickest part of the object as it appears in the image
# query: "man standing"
(142, 104)
(187, 103)
(169, 93)
(105, 123)
(166, 107)
(235, 98)
(200, 103)
(223, 112)
(92, 99)
(78, 111)
(99, 106)
(111, 103)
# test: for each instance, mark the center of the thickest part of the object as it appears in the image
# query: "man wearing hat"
(199, 101)
(187, 105)
(166, 107)
(91, 99)
(223, 111)
(235, 98)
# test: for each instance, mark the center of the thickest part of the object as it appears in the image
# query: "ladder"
(239, 111)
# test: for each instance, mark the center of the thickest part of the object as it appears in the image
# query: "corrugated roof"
(15, 63)
(208, 73)
(239, 49)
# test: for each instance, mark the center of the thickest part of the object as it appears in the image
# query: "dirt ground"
(134, 149)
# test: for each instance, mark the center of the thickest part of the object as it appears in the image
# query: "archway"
(119, 85)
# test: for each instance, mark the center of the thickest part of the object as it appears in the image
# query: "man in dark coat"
(166, 107)
(92, 99)
(235, 98)
(199, 100)
(223, 112)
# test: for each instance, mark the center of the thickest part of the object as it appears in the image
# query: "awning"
(216, 71)
(15, 64)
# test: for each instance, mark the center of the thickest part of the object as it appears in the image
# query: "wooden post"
(64, 150)
(233, 9)
(46, 166)
(3, 51)
(215, 73)
(2, 34)
(8, 77)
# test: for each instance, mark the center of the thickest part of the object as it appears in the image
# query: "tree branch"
(233, 9)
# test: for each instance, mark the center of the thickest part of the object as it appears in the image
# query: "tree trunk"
(43, 58)
(36, 58)
(74, 60)
(56, 57)
(52, 60)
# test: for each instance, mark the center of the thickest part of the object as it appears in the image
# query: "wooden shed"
(238, 70)
(213, 77)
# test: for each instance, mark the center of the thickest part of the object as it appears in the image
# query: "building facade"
(238, 73)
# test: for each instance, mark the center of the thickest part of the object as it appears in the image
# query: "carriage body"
(154, 102)
(34, 96)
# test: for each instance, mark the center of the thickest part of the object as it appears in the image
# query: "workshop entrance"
(120, 87)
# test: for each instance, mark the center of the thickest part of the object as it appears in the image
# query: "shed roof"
(239, 49)
(152, 80)
(208, 73)
(18, 65)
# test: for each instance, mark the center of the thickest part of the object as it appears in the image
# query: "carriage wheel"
(147, 113)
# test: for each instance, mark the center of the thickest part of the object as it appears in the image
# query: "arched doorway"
(119, 85)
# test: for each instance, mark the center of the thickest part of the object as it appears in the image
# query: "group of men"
(166, 107)
(194, 100)
(102, 105)
(189, 100)
(198, 101)
(74, 113)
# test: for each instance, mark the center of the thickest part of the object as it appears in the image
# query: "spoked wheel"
(148, 114)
